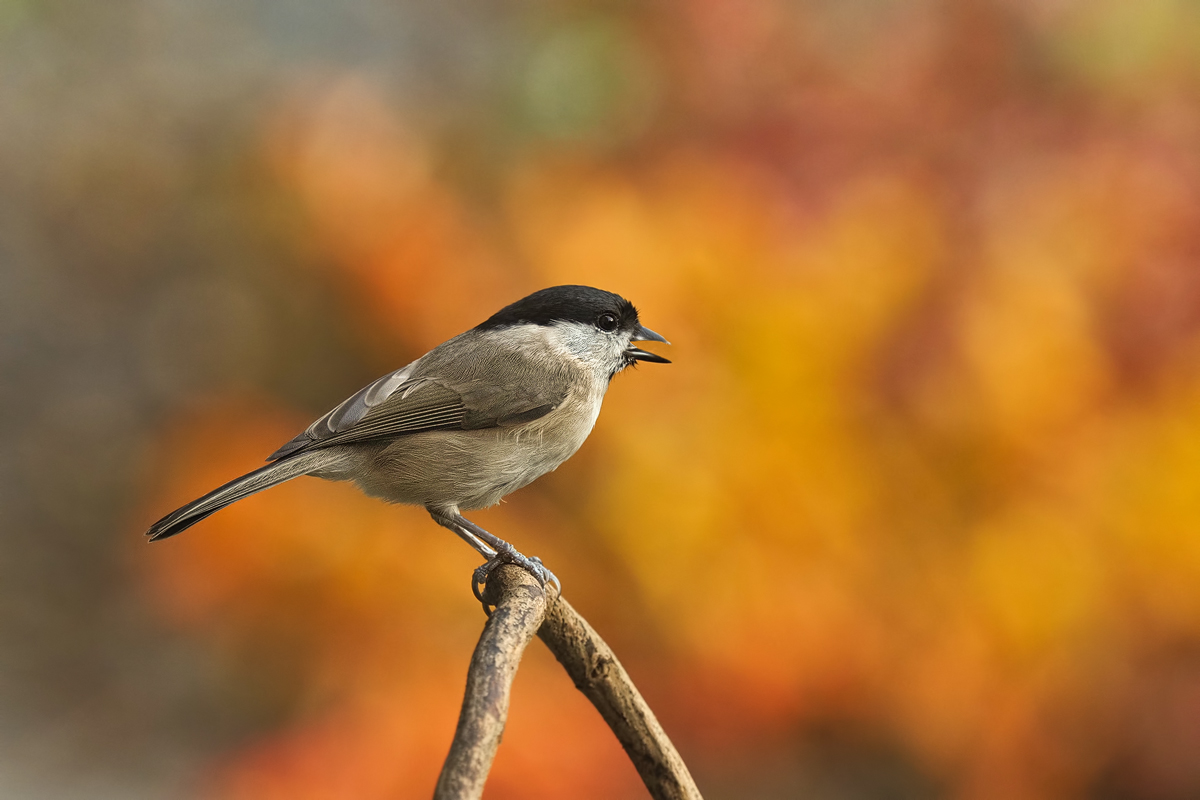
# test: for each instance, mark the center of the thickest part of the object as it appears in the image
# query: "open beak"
(644, 334)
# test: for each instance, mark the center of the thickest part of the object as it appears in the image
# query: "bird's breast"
(527, 452)
(475, 469)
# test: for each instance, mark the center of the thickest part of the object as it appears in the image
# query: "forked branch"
(521, 611)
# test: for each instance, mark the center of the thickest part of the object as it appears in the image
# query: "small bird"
(475, 418)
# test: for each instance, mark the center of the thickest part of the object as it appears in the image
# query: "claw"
(557, 584)
(475, 590)
(495, 550)
(509, 555)
(547, 576)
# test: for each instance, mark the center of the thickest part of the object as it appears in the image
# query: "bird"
(474, 419)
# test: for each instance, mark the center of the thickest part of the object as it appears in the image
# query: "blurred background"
(912, 515)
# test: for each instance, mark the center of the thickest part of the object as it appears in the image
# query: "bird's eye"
(606, 322)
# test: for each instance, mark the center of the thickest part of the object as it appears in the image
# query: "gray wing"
(349, 411)
(399, 403)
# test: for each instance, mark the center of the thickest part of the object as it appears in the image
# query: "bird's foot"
(510, 555)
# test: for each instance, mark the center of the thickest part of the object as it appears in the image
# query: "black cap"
(565, 304)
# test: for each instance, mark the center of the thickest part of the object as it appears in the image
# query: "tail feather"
(262, 478)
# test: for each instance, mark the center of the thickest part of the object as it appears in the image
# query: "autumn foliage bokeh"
(924, 470)
(913, 513)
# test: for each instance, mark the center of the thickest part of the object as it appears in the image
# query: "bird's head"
(594, 326)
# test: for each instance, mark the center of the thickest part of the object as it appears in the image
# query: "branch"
(597, 673)
(520, 607)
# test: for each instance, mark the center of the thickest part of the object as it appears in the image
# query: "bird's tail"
(263, 478)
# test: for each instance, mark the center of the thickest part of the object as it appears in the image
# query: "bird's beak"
(644, 334)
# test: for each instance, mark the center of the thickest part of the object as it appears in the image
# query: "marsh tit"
(475, 418)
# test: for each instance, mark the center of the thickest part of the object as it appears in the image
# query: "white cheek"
(599, 352)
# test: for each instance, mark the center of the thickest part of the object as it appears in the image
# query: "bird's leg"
(494, 549)
(451, 521)
(507, 554)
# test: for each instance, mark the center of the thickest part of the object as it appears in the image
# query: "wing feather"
(406, 402)
(348, 412)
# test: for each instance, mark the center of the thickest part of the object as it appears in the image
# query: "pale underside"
(445, 432)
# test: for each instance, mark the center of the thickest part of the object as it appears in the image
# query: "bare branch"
(520, 605)
(599, 675)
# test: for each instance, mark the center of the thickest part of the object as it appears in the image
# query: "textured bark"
(599, 675)
(521, 611)
(520, 605)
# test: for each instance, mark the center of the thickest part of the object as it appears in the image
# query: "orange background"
(913, 513)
